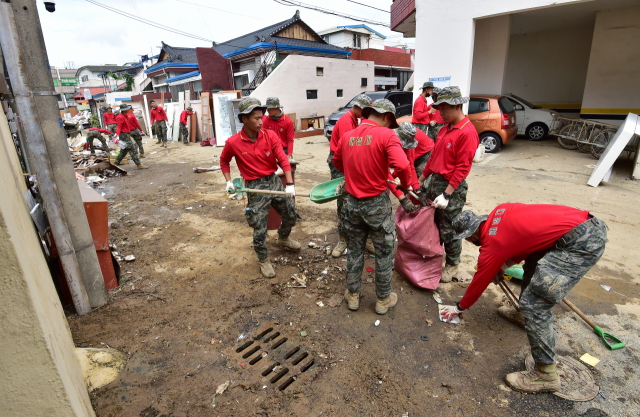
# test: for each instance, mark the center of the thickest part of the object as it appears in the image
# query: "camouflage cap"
(273, 103)
(450, 95)
(108, 107)
(116, 112)
(407, 134)
(381, 105)
(249, 104)
(124, 107)
(427, 84)
(189, 109)
(466, 223)
(362, 101)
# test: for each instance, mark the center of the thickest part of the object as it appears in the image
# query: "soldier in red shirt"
(95, 133)
(258, 153)
(364, 155)
(184, 132)
(407, 134)
(446, 171)
(420, 113)
(280, 124)
(558, 244)
(435, 120)
(136, 131)
(347, 122)
(110, 120)
(422, 151)
(159, 122)
(126, 144)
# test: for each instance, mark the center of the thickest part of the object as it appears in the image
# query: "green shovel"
(617, 343)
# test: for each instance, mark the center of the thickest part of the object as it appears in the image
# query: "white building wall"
(490, 54)
(613, 77)
(549, 67)
(297, 74)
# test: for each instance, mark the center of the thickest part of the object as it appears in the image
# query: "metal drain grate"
(271, 357)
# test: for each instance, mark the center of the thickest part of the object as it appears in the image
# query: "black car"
(403, 100)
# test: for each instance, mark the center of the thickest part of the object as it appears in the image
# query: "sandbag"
(419, 254)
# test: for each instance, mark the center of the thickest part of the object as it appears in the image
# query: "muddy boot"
(384, 304)
(186, 143)
(509, 313)
(449, 272)
(287, 243)
(140, 166)
(141, 156)
(353, 299)
(544, 378)
(369, 247)
(340, 247)
(159, 142)
(164, 144)
(266, 268)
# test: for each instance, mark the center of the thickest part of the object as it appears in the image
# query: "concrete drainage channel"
(269, 356)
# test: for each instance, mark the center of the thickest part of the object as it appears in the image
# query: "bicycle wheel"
(601, 141)
(572, 131)
(583, 142)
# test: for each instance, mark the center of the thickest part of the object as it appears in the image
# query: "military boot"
(509, 313)
(353, 299)
(449, 272)
(164, 144)
(544, 378)
(384, 304)
(140, 166)
(159, 142)
(340, 247)
(287, 243)
(141, 156)
(369, 246)
(266, 268)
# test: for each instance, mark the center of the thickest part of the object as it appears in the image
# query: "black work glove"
(422, 198)
(407, 205)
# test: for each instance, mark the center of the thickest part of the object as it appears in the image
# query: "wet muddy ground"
(194, 296)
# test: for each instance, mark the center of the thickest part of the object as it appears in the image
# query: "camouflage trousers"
(136, 134)
(421, 162)
(160, 127)
(112, 128)
(184, 133)
(444, 218)
(131, 149)
(423, 127)
(257, 211)
(433, 131)
(550, 275)
(369, 217)
(94, 134)
(335, 173)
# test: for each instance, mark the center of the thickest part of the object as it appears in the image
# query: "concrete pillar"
(490, 52)
(40, 374)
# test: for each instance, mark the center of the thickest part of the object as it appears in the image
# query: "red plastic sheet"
(419, 254)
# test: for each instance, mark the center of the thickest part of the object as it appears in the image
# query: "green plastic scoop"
(320, 194)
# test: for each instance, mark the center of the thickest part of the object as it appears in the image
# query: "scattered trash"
(320, 304)
(436, 297)
(222, 388)
(454, 320)
(154, 152)
(303, 333)
(335, 300)
(189, 208)
(298, 282)
(377, 323)
(606, 287)
(424, 338)
(129, 258)
(602, 394)
(198, 170)
(429, 322)
(589, 360)
(369, 269)
(312, 245)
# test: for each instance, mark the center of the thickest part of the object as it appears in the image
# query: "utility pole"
(27, 62)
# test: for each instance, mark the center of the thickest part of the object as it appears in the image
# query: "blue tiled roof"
(183, 76)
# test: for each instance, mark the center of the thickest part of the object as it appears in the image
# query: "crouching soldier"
(558, 244)
(95, 133)
(258, 153)
(123, 132)
(364, 155)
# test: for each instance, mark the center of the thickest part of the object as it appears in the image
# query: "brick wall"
(214, 69)
(380, 57)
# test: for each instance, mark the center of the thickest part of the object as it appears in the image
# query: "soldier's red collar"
(353, 117)
(247, 138)
(461, 123)
(369, 123)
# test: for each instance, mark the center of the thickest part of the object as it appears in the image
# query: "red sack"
(207, 142)
(419, 254)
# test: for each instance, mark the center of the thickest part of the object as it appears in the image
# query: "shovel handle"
(250, 190)
(580, 313)
(404, 190)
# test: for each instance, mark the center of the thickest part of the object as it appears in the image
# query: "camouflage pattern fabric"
(450, 95)
(423, 127)
(336, 173)
(444, 218)
(136, 134)
(433, 131)
(184, 133)
(257, 211)
(421, 162)
(160, 127)
(130, 149)
(548, 278)
(94, 134)
(112, 128)
(369, 217)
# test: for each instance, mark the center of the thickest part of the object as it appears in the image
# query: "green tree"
(95, 122)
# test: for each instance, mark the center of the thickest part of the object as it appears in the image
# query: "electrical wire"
(220, 10)
(329, 12)
(366, 5)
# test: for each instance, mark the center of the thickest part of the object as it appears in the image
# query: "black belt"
(263, 179)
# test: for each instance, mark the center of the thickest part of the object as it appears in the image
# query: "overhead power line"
(366, 5)
(221, 10)
(330, 12)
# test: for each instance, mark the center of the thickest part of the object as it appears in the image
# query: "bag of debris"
(419, 254)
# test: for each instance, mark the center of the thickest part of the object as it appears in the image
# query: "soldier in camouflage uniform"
(559, 245)
(123, 131)
(446, 171)
(95, 133)
(435, 121)
(184, 132)
(258, 153)
(136, 131)
(420, 111)
(364, 156)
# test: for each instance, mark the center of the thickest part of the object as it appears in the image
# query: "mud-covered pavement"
(195, 294)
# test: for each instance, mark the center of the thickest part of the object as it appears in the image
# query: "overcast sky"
(87, 34)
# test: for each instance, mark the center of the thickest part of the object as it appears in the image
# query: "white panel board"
(221, 116)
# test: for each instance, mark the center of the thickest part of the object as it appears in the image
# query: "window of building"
(319, 71)
(84, 78)
(59, 97)
(241, 81)
(312, 94)
(356, 40)
(197, 90)
(363, 82)
(339, 94)
(478, 105)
